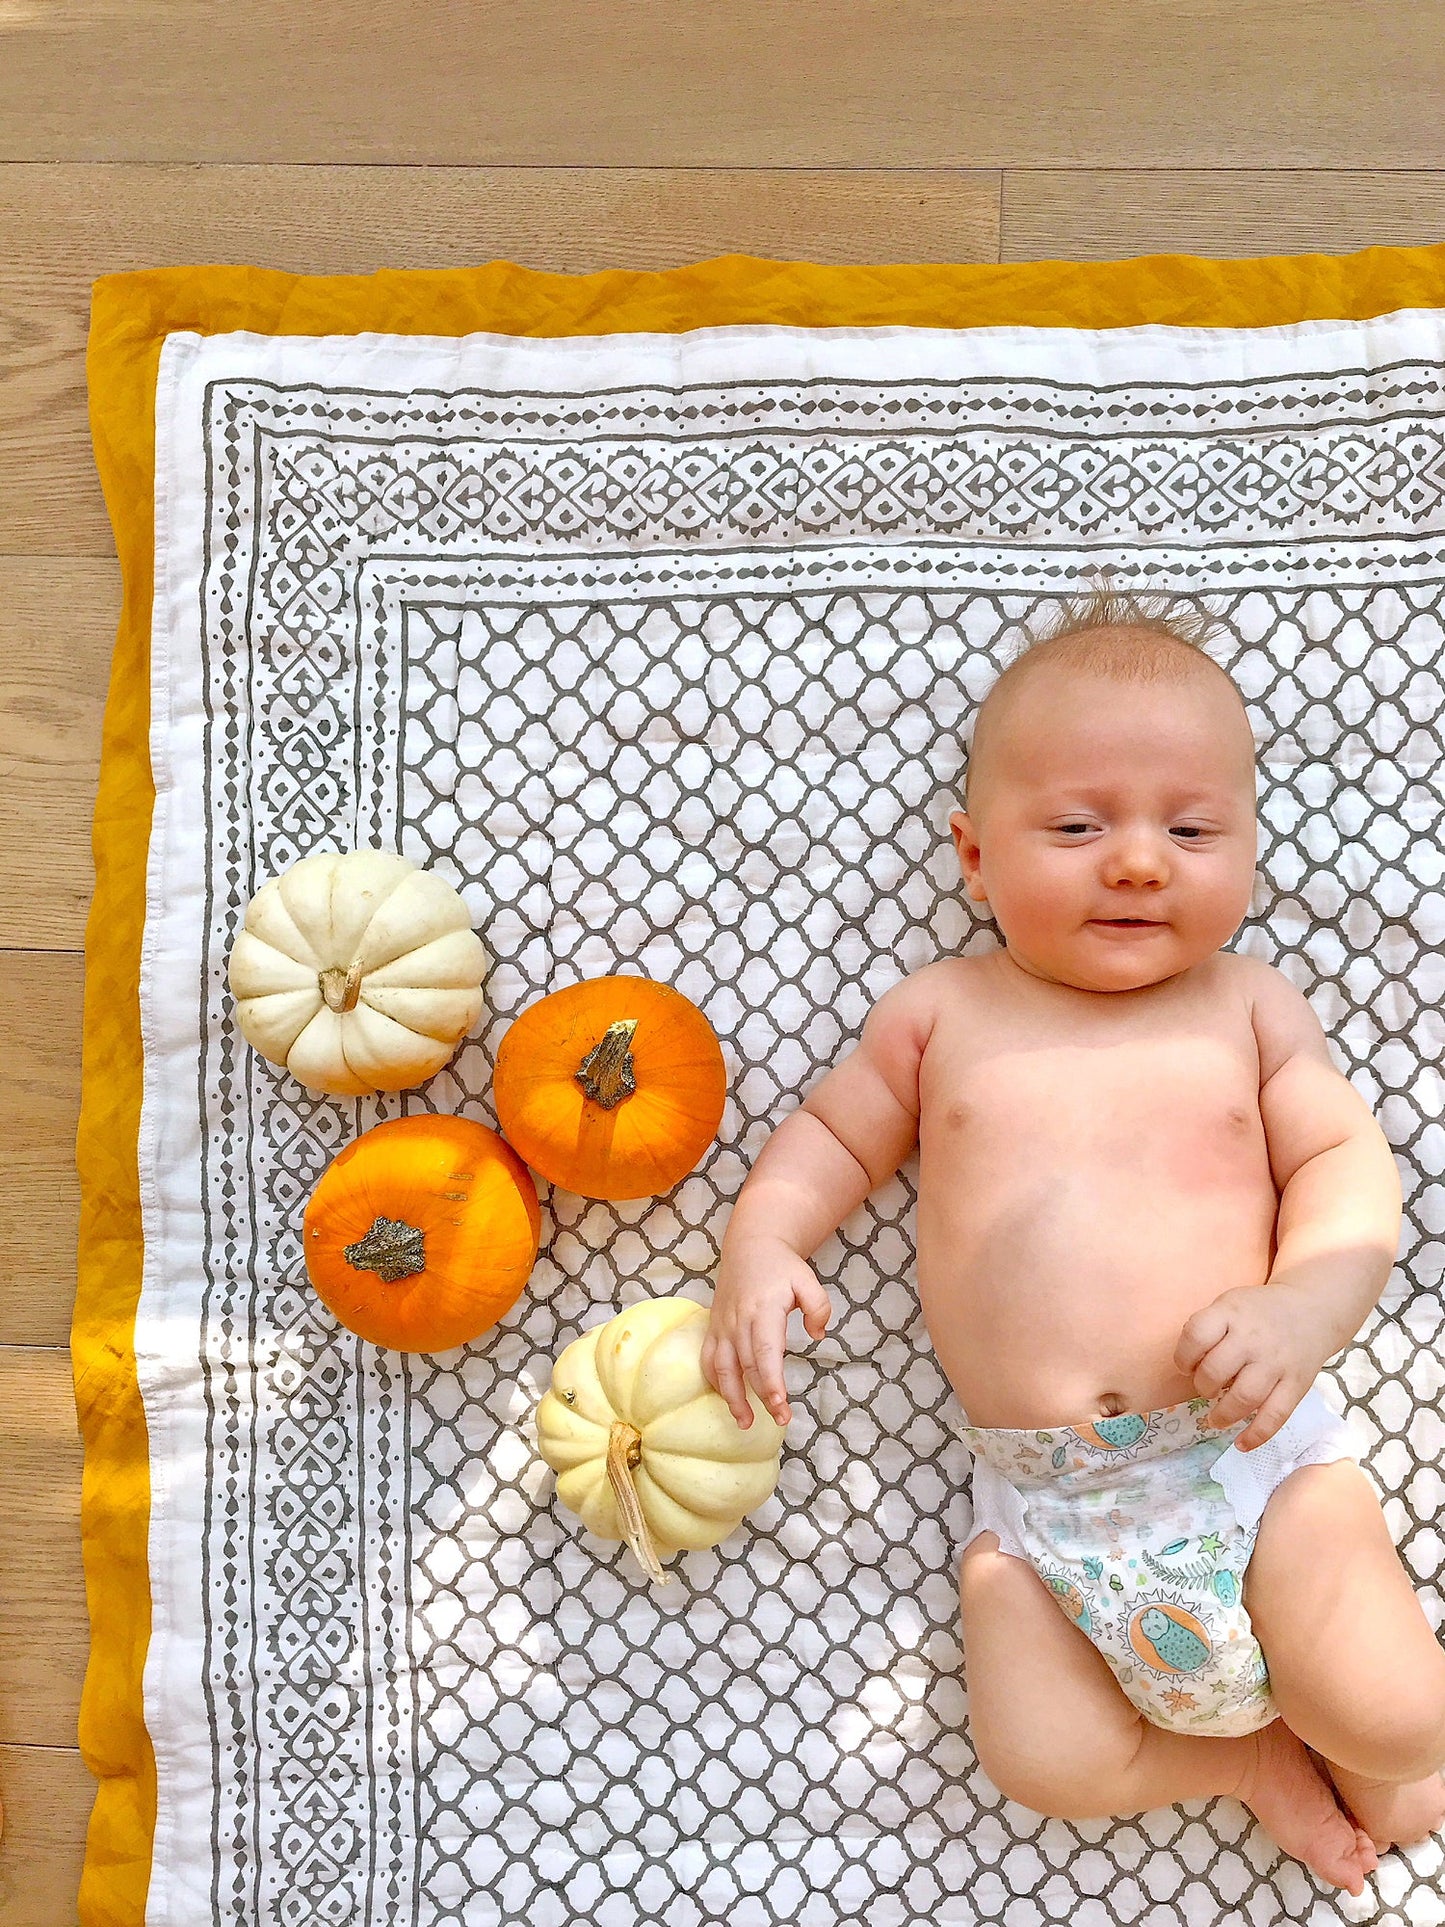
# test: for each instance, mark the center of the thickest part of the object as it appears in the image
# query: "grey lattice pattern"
(729, 767)
(746, 789)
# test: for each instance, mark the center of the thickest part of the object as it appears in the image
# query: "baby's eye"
(1184, 829)
(1066, 827)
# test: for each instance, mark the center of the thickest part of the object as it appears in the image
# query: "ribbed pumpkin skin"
(650, 1140)
(475, 1203)
(699, 1472)
(357, 972)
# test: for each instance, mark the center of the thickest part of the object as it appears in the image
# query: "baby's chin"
(1121, 968)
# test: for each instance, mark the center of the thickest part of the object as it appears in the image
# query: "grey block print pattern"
(680, 684)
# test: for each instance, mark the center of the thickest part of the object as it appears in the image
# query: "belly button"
(1113, 1403)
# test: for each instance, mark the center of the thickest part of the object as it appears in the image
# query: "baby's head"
(1111, 777)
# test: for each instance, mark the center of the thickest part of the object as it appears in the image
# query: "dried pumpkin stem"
(607, 1073)
(624, 1451)
(341, 988)
(392, 1249)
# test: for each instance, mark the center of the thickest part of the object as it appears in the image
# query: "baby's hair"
(1151, 619)
(1181, 618)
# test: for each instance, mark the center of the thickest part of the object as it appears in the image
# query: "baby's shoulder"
(1281, 1015)
(918, 999)
(941, 978)
(1250, 978)
(1273, 1016)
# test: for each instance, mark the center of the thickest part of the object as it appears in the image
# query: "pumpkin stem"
(341, 988)
(392, 1249)
(607, 1072)
(624, 1451)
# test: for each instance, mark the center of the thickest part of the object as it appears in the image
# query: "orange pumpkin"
(612, 1088)
(422, 1232)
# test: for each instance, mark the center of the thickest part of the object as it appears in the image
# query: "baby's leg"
(1053, 1730)
(1353, 1664)
(1049, 1723)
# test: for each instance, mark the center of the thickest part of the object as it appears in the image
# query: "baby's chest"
(1183, 1104)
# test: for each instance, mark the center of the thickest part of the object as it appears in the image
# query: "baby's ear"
(966, 843)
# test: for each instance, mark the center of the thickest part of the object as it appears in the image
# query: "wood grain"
(57, 627)
(44, 1637)
(48, 1795)
(1101, 216)
(62, 226)
(40, 1005)
(632, 83)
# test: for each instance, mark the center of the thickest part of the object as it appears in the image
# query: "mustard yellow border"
(130, 316)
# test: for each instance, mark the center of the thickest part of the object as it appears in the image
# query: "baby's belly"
(1052, 1298)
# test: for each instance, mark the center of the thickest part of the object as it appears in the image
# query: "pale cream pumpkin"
(357, 971)
(644, 1449)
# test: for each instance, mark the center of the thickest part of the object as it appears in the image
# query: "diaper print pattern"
(1114, 1434)
(1168, 1638)
(1109, 1441)
(1070, 1597)
(1186, 1656)
(1194, 1563)
(1140, 1549)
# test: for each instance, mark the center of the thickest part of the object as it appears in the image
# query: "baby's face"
(1107, 801)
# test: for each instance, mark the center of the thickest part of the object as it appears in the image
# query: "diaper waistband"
(1042, 1455)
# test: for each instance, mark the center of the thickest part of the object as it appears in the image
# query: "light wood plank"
(1105, 215)
(44, 1632)
(48, 1796)
(57, 628)
(40, 1003)
(978, 83)
(62, 226)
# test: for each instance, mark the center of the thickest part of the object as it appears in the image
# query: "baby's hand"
(1255, 1349)
(758, 1284)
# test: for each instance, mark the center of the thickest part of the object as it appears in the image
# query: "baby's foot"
(1299, 1812)
(1393, 1815)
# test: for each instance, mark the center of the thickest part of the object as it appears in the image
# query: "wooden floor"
(595, 133)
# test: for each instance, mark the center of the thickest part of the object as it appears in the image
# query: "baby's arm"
(848, 1136)
(1258, 1348)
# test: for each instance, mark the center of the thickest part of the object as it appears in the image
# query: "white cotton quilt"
(664, 651)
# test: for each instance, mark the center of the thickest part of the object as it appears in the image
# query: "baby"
(1149, 1209)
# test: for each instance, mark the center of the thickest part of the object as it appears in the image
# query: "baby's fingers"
(1249, 1392)
(1278, 1403)
(1219, 1367)
(765, 1373)
(727, 1376)
(1201, 1333)
(814, 1304)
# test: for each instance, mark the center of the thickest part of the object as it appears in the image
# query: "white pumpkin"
(644, 1449)
(358, 972)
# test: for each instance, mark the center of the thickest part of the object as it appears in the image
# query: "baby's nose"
(1137, 858)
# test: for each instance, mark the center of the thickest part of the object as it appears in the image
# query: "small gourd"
(422, 1232)
(611, 1088)
(358, 972)
(644, 1449)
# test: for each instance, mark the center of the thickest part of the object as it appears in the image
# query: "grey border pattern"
(320, 539)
